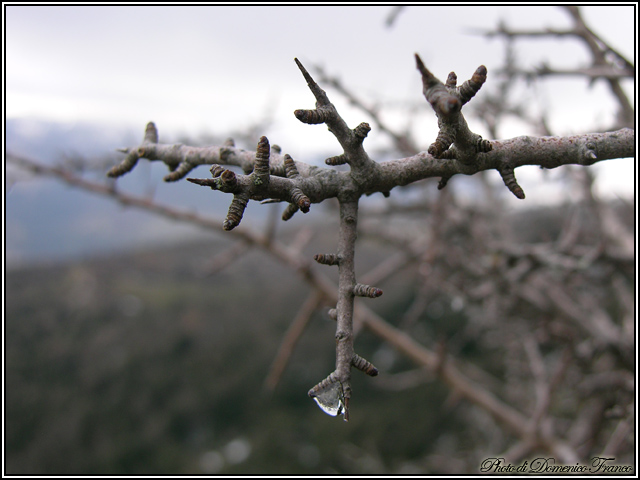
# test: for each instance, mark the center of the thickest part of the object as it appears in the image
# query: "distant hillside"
(136, 364)
(47, 220)
(140, 363)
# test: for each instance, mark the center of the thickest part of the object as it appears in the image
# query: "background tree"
(562, 294)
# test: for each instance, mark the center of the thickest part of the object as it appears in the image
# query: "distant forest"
(144, 364)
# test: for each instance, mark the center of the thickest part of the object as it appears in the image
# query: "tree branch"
(319, 184)
(457, 150)
(606, 62)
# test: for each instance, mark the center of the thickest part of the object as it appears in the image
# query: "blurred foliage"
(139, 364)
(136, 365)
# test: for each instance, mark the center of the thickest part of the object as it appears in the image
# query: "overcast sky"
(213, 68)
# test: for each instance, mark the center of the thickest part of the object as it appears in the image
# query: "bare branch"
(606, 62)
(291, 338)
(403, 142)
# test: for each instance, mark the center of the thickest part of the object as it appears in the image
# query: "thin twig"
(291, 338)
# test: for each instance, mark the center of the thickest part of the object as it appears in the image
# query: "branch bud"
(509, 178)
(216, 170)
(452, 80)
(289, 212)
(590, 152)
(150, 133)
(362, 130)
(361, 290)
(180, 172)
(261, 169)
(327, 258)
(337, 160)
(469, 88)
(229, 180)
(299, 199)
(330, 380)
(364, 365)
(436, 93)
(236, 210)
(314, 117)
(446, 136)
(290, 169)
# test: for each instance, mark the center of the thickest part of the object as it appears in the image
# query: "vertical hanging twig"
(346, 282)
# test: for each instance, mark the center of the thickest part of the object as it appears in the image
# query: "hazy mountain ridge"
(47, 220)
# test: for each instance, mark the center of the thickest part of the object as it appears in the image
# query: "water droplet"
(331, 399)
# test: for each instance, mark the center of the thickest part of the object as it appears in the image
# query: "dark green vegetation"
(138, 364)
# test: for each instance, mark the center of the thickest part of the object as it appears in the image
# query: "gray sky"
(213, 68)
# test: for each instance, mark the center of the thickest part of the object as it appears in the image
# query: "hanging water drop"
(330, 399)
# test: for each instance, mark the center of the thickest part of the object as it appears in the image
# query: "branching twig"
(447, 101)
(271, 177)
(403, 142)
(606, 62)
(319, 184)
